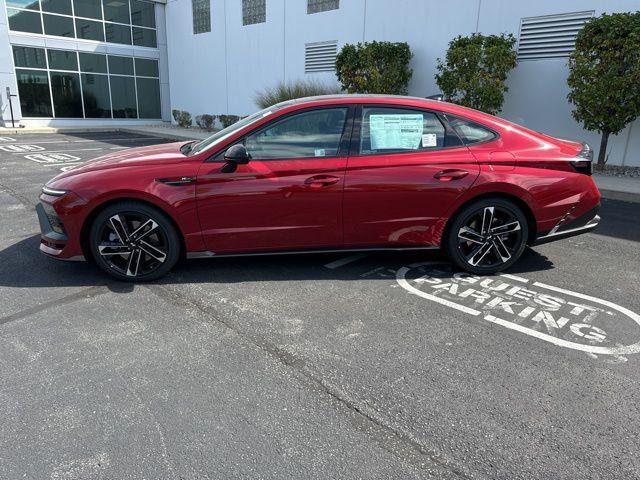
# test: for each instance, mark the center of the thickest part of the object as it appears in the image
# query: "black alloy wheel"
(133, 241)
(487, 236)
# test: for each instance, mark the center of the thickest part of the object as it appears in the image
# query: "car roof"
(403, 100)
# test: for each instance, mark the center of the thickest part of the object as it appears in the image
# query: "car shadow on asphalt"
(23, 266)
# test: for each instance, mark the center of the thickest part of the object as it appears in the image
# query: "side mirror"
(237, 154)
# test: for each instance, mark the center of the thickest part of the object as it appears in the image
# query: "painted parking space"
(59, 152)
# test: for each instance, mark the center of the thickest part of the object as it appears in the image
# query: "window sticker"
(429, 140)
(395, 132)
(319, 152)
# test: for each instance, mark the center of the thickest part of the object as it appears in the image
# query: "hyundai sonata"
(332, 173)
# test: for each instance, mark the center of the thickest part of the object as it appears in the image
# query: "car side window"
(310, 134)
(470, 132)
(390, 130)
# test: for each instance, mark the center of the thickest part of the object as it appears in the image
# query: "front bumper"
(56, 239)
(582, 224)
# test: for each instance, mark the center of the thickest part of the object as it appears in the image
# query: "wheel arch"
(100, 206)
(515, 199)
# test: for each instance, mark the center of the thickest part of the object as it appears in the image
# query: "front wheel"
(487, 236)
(132, 241)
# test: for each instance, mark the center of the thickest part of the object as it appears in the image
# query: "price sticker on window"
(429, 140)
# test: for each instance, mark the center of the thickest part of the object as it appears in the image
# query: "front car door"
(289, 196)
(406, 168)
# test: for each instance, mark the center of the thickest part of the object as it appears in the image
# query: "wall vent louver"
(550, 36)
(320, 56)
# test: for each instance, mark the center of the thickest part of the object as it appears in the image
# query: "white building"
(212, 56)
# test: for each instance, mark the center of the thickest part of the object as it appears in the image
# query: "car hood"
(140, 156)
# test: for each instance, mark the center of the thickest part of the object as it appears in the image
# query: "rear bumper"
(582, 224)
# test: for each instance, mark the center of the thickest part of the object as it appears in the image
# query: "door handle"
(321, 181)
(450, 174)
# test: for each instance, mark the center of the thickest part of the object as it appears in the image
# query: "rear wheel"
(487, 236)
(132, 241)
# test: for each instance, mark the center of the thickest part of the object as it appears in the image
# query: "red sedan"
(325, 174)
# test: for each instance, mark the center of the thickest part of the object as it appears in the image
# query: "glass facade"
(69, 84)
(127, 22)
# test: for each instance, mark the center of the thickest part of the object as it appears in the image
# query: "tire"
(134, 242)
(477, 248)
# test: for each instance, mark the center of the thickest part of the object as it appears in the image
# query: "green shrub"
(375, 67)
(289, 91)
(475, 70)
(604, 75)
(228, 120)
(182, 118)
(205, 121)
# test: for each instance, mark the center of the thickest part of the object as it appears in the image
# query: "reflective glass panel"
(33, 89)
(143, 13)
(120, 65)
(148, 97)
(65, 87)
(20, 21)
(146, 68)
(117, 33)
(144, 37)
(123, 97)
(88, 8)
(95, 90)
(93, 62)
(89, 30)
(59, 26)
(29, 57)
(62, 60)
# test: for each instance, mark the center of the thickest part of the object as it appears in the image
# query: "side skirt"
(209, 254)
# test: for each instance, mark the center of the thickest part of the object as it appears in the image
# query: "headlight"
(54, 192)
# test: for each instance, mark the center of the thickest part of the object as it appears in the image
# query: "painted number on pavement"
(52, 158)
(21, 148)
(553, 314)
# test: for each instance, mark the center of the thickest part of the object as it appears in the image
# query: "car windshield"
(225, 133)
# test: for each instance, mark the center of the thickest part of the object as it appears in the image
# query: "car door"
(289, 195)
(406, 168)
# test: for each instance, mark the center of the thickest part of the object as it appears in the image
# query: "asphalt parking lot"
(315, 366)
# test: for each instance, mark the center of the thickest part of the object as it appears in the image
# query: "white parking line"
(515, 277)
(71, 150)
(345, 260)
(9, 139)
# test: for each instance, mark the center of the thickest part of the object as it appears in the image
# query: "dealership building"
(122, 62)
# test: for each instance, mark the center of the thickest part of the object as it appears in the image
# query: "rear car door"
(289, 196)
(405, 169)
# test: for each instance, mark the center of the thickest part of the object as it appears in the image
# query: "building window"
(316, 6)
(201, 11)
(550, 36)
(254, 11)
(86, 85)
(126, 22)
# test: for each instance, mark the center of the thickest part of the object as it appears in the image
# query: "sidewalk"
(618, 188)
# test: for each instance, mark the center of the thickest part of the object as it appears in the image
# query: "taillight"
(584, 160)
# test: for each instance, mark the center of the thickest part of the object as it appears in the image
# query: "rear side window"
(314, 133)
(393, 130)
(470, 132)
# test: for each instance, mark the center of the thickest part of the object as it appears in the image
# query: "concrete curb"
(619, 195)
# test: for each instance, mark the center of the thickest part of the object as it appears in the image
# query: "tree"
(375, 67)
(604, 75)
(475, 69)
